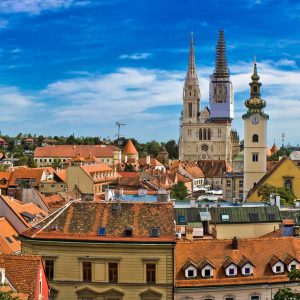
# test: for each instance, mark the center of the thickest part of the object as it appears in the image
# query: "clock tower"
(255, 136)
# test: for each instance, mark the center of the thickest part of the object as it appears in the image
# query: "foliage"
(7, 296)
(172, 148)
(283, 151)
(129, 168)
(287, 293)
(286, 195)
(179, 191)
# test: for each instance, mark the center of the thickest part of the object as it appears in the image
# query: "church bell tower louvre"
(206, 134)
(255, 135)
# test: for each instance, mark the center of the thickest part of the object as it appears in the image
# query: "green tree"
(179, 191)
(7, 296)
(287, 293)
(265, 190)
(172, 148)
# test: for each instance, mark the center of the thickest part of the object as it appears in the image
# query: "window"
(204, 134)
(247, 271)
(49, 269)
(207, 273)
(254, 217)
(113, 272)
(228, 183)
(150, 273)
(8, 239)
(191, 273)
(209, 134)
(225, 218)
(271, 217)
(229, 298)
(288, 184)
(278, 269)
(255, 297)
(190, 110)
(231, 271)
(87, 271)
(241, 183)
(255, 157)
(255, 138)
(181, 219)
(255, 88)
(293, 267)
(101, 231)
(154, 232)
(128, 231)
(200, 134)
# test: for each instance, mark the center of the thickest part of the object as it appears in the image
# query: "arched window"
(255, 138)
(255, 88)
(204, 134)
(208, 134)
(200, 134)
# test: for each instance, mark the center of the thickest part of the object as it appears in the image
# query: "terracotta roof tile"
(260, 251)
(78, 220)
(22, 271)
(4, 179)
(34, 174)
(214, 168)
(8, 242)
(129, 148)
(69, 151)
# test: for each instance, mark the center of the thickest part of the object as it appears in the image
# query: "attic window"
(225, 218)
(8, 239)
(207, 273)
(154, 232)
(254, 217)
(231, 272)
(28, 216)
(278, 269)
(101, 231)
(128, 231)
(181, 219)
(191, 273)
(271, 217)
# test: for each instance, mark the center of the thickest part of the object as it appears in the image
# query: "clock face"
(254, 119)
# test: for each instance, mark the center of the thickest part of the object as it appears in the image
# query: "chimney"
(235, 243)
(148, 160)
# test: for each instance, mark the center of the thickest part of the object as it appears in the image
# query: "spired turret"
(191, 90)
(220, 86)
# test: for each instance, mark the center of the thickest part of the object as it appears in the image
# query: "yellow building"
(285, 174)
(107, 250)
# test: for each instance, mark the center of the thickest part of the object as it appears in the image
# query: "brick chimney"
(235, 243)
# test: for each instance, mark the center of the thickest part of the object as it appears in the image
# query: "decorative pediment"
(113, 292)
(150, 294)
(87, 291)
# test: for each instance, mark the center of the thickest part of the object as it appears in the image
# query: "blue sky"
(77, 66)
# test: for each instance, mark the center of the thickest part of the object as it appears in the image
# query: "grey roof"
(259, 214)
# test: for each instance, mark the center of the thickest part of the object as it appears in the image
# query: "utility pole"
(118, 124)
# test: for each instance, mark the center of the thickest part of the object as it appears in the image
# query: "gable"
(284, 168)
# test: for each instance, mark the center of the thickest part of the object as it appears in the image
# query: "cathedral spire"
(221, 59)
(191, 73)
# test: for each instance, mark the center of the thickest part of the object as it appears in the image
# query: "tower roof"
(221, 59)
(274, 148)
(255, 104)
(191, 74)
(129, 148)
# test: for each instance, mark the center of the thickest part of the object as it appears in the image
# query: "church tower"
(191, 90)
(255, 136)
(220, 86)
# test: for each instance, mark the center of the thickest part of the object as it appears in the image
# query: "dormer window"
(207, 273)
(247, 271)
(128, 231)
(154, 232)
(231, 271)
(278, 269)
(191, 273)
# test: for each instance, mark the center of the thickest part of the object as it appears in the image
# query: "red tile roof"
(129, 148)
(258, 251)
(22, 271)
(8, 242)
(153, 162)
(81, 221)
(69, 151)
(19, 208)
(26, 173)
(214, 168)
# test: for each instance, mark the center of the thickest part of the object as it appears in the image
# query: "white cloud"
(135, 56)
(36, 6)
(16, 50)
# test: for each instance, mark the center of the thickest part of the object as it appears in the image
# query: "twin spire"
(221, 68)
(191, 75)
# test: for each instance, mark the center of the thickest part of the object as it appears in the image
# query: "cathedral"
(207, 134)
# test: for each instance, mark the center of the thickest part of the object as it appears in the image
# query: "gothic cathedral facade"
(206, 134)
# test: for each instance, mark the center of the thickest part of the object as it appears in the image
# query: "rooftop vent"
(101, 231)
(128, 231)
(235, 243)
(154, 232)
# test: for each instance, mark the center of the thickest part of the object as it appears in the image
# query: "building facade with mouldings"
(207, 134)
(102, 251)
(245, 269)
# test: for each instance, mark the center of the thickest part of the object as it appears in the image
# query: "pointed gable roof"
(274, 148)
(129, 148)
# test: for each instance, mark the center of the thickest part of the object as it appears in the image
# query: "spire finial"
(221, 59)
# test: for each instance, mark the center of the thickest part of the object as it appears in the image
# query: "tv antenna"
(118, 124)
